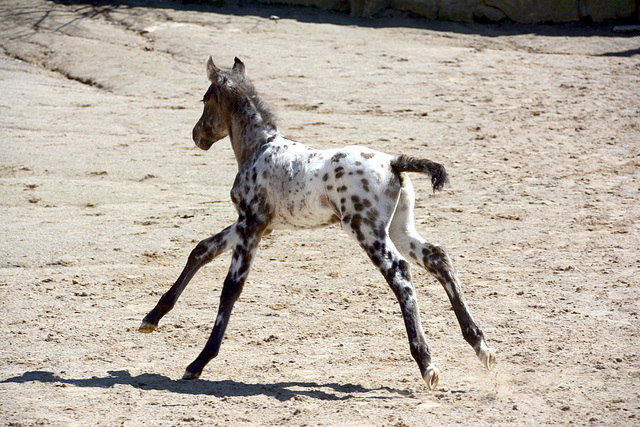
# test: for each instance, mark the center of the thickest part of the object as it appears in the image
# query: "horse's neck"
(248, 133)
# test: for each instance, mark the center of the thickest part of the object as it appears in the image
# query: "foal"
(282, 184)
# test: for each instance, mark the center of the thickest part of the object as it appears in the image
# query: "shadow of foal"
(281, 391)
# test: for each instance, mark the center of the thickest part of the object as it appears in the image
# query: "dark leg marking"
(396, 272)
(203, 253)
(437, 262)
(243, 253)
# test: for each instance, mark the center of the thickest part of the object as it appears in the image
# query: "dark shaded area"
(624, 54)
(386, 19)
(226, 388)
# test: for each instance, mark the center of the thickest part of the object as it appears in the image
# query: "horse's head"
(218, 103)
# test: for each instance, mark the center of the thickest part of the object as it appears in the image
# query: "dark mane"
(247, 89)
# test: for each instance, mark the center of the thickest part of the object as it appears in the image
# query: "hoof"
(146, 327)
(190, 376)
(431, 377)
(488, 357)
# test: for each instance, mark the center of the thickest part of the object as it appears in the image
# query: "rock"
(600, 10)
(537, 11)
(368, 8)
(483, 13)
(426, 8)
(340, 5)
(459, 11)
(523, 11)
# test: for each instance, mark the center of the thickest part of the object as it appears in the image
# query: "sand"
(103, 195)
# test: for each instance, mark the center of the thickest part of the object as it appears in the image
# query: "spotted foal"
(282, 184)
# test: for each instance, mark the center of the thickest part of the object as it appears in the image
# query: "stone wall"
(523, 11)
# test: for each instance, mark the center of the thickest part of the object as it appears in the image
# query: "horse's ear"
(212, 70)
(239, 68)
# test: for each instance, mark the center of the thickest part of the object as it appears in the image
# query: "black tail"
(437, 172)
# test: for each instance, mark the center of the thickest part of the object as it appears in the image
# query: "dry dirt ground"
(103, 195)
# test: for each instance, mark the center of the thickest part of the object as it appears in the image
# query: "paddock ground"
(103, 195)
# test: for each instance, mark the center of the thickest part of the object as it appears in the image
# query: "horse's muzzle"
(200, 139)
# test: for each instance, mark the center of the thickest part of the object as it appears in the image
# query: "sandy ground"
(103, 195)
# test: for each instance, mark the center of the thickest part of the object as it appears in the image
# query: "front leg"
(206, 251)
(247, 236)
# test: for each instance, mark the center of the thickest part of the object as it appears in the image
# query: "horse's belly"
(302, 214)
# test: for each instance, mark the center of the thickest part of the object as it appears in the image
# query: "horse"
(283, 184)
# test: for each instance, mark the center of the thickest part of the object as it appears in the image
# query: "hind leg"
(374, 239)
(436, 260)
